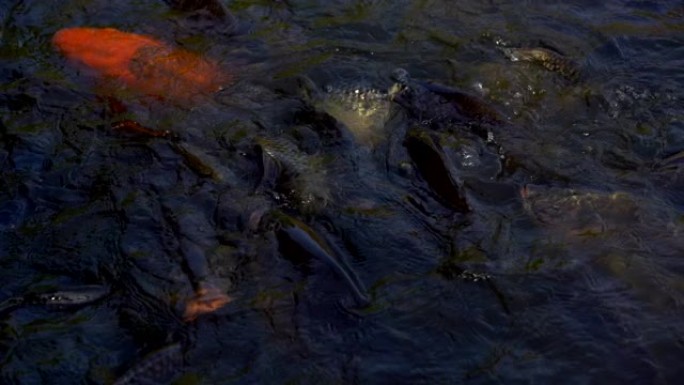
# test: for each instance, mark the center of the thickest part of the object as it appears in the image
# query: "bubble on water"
(469, 157)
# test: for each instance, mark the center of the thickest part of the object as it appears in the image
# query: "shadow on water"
(346, 192)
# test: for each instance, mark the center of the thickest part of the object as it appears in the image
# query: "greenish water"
(368, 228)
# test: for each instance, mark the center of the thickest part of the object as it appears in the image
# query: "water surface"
(566, 266)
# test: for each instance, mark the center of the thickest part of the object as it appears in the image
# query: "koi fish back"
(142, 63)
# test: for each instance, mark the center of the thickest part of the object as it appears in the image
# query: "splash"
(141, 63)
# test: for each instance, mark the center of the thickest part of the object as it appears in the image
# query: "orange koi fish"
(142, 63)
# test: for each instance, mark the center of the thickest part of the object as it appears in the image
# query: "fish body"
(58, 300)
(160, 367)
(197, 163)
(78, 296)
(300, 243)
(294, 173)
(432, 164)
(141, 63)
(207, 299)
(672, 163)
(550, 60)
(579, 212)
(287, 154)
(135, 128)
(214, 7)
(438, 105)
(362, 108)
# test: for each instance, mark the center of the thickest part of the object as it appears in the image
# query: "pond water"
(380, 192)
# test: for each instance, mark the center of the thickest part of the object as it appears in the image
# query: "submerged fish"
(297, 175)
(581, 212)
(550, 60)
(207, 299)
(60, 300)
(132, 127)
(433, 166)
(362, 108)
(160, 367)
(300, 243)
(214, 7)
(673, 162)
(78, 296)
(142, 63)
(441, 106)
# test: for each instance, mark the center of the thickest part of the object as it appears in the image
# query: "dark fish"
(195, 163)
(294, 173)
(672, 162)
(160, 367)
(205, 16)
(437, 105)
(10, 304)
(78, 296)
(287, 154)
(214, 7)
(300, 243)
(550, 60)
(433, 167)
(582, 212)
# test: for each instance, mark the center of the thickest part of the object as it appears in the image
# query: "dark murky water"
(484, 220)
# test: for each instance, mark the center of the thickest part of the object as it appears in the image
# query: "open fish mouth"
(400, 87)
(363, 100)
(400, 94)
(396, 90)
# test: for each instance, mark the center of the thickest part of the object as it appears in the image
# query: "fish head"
(70, 40)
(401, 76)
(400, 91)
(401, 94)
(409, 93)
(75, 41)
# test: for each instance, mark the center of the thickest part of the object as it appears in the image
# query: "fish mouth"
(400, 88)
(396, 89)
(399, 93)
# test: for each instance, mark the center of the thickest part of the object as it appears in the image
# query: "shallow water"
(565, 267)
